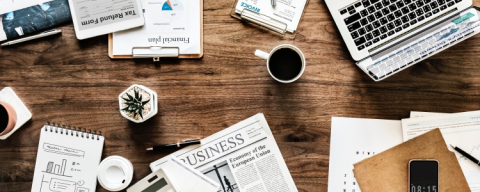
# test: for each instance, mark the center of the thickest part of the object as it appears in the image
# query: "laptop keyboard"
(370, 21)
(421, 49)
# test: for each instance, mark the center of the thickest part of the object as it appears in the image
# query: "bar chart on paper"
(56, 169)
(67, 160)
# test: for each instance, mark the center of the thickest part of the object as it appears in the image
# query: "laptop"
(386, 36)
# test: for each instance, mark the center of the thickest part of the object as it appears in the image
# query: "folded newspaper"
(19, 18)
(243, 157)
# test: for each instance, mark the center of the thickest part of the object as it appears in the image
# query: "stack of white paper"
(353, 140)
(460, 129)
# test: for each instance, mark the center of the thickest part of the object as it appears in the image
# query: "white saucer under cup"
(23, 114)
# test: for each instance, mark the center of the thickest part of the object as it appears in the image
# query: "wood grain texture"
(64, 80)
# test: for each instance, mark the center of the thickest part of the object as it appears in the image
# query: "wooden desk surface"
(64, 80)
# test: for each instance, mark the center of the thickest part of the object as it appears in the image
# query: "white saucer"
(23, 114)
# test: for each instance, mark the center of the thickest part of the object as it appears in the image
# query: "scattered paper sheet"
(353, 140)
(417, 114)
(460, 129)
(184, 178)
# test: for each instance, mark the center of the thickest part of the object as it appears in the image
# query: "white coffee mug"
(267, 56)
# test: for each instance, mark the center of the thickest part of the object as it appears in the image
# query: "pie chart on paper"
(172, 5)
(172, 10)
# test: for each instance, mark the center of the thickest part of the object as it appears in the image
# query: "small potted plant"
(138, 103)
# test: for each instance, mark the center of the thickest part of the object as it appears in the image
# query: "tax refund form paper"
(353, 140)
(168, 23)
(459, 129)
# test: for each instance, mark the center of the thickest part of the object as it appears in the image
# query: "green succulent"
(134, 104)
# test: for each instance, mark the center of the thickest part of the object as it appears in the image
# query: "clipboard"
(265, 21)
(157, 52)
(388, 171)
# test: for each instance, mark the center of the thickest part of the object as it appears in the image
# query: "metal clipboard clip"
(264, 21)
(155, 52)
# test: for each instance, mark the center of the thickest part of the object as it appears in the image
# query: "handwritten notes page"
(67, 161)
(353, 140)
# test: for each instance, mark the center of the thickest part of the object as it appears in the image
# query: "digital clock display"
(423, 188)
(423, 176)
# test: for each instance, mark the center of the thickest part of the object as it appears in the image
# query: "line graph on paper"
(473, 176)
(474, 151)
(470, 169)
(467, 140)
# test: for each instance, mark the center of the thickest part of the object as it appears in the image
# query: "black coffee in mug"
(285, 64)
(3, 118)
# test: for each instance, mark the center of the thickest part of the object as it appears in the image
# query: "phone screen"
(423, 176)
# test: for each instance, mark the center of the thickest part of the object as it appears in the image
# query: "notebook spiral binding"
(73, 131)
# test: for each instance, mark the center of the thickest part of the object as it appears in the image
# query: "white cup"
(267, 56)
(115, 173)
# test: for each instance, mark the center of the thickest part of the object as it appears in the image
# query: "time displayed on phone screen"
(423, 176)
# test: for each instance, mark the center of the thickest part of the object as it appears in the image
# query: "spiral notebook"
(67, 159)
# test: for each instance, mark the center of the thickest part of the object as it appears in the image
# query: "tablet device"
(98, 17)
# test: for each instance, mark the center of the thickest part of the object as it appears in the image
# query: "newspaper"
(242, 158)
(35, 18)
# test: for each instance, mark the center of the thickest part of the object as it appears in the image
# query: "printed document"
(95, 13)
(242, 158)
(286, 11)
(353, 140)
(168, 23)
(417, 114)
(460, 129)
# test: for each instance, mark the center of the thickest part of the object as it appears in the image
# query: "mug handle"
(262, 54)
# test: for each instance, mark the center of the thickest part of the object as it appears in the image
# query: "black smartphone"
(423, 175)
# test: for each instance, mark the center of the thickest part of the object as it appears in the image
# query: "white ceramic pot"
(153, 103)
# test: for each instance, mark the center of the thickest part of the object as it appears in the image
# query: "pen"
(468, 156)
(274, 3)
(176, 145)
(43, 34)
